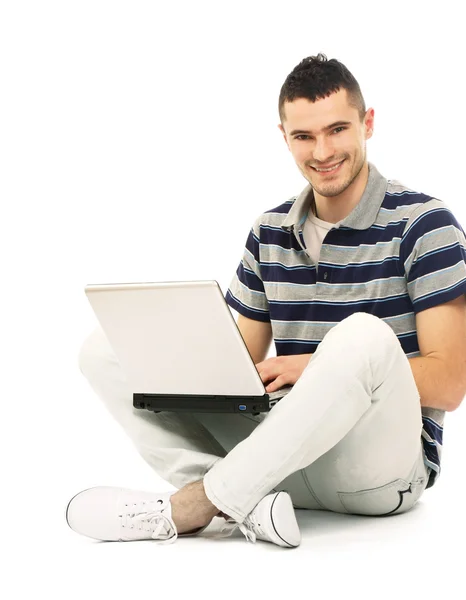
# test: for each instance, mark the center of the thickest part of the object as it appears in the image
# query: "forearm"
(436, 385)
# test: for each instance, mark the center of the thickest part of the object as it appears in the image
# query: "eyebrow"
(332, 126)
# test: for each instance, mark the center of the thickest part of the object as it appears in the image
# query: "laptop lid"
(175, 338)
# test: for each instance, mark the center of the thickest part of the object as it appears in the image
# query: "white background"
(138, 142)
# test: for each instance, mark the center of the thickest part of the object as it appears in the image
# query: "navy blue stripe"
(431, 453)
(283, 208)
(246, 310)
(250, 279)
(440, 259)
(425, 224)
(434, 430)
(392, 200)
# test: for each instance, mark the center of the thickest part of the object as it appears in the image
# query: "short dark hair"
(315, 78)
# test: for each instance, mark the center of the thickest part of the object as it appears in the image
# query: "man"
(361, 283)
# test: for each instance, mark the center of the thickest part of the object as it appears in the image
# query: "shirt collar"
(361, 217)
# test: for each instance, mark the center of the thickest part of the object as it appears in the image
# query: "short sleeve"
(433, 256)
(246, 293)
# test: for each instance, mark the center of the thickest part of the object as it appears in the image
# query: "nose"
(323, 150)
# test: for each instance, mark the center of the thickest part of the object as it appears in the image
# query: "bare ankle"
(191, 509)
(187, 522)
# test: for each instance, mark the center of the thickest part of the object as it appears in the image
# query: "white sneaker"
(272, 520)
(118, 514)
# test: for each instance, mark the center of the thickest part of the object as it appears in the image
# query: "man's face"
(327, 140)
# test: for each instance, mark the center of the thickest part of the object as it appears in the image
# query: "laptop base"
(195, 403)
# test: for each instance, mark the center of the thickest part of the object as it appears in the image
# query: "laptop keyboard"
(275, 396)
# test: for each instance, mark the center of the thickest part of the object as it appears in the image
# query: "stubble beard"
(332, 190)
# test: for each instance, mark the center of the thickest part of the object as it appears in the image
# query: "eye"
(301, 137)
(338, 129)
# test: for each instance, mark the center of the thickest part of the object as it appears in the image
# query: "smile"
(329, 169)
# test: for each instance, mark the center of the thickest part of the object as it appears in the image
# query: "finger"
(268, 373)
(264, 364)
(272, 387)
(278, 383)
(266, 377)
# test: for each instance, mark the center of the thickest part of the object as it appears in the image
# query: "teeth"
(329, 169)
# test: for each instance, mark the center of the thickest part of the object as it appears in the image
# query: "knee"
(363, 331)
(367, 327)
(94, 351)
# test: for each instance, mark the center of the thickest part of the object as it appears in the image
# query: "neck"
(336, 208)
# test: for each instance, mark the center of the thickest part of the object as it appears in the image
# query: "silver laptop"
(180, 348)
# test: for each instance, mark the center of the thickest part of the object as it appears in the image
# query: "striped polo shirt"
(397, 253)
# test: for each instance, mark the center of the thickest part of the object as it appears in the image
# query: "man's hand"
(282, 370)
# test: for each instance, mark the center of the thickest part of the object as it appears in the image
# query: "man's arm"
(277, 371)
(257, 336)
(440, 371)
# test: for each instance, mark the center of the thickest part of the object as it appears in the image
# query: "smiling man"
(361, 284)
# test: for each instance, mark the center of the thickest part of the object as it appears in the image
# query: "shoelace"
(153, 522)
(246, 527)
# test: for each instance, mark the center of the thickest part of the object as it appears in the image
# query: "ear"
(369, 123)
(284, 134)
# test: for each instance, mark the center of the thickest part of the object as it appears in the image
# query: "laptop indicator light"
(242, 407)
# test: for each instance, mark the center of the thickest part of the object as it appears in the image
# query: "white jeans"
(346, 438)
